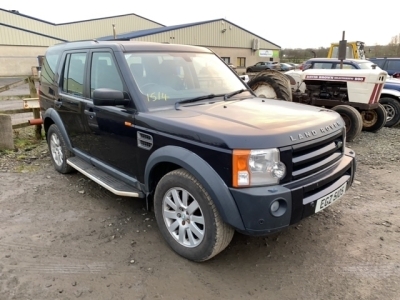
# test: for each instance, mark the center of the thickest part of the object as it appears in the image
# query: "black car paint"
(198, 137)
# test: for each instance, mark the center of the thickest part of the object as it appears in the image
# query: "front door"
(113, 139)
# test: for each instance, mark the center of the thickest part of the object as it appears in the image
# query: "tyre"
(58, 150)
(374, 119)
(188, 219)
(271, 85)
(352, 120)
(392, 107)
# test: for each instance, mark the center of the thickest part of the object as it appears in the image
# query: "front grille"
(311, 157)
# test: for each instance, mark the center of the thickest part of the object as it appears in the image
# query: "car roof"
(337, 60)
(397, 58)
(129, 46)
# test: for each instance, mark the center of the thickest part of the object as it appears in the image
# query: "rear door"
(72, 96)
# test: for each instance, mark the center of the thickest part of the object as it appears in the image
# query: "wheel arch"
(169, 158)
(385, 95)
(50, 117)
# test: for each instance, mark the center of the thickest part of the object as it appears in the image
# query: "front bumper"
(299, 197)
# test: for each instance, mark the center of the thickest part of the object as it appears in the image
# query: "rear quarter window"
(50, 62)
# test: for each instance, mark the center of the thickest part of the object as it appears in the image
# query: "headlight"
(257, 167)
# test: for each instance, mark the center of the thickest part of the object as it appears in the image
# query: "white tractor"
(354, 94)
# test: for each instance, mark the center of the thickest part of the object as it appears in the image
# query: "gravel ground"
(64, 237)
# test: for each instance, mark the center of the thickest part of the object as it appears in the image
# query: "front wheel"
(374, 119)
(392, 107)
(188, 219)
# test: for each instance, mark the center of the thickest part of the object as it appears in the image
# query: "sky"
(287, 23)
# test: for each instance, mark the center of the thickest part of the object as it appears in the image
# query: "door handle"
(89, 112)
(58, 102)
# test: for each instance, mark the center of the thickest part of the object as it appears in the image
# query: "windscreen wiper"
(227, 96)
(210, 96)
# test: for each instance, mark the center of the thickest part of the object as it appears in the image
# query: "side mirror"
(109, 97)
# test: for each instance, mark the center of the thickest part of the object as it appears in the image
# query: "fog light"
(275, 206)
(278, 207)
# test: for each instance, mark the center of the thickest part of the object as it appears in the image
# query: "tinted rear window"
(378, 62)
(393, 65)
(49, 65)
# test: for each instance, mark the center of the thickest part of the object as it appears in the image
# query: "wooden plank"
(31, 103)
(13, 97)
(16, 111)
(13, 85)
(21, 125)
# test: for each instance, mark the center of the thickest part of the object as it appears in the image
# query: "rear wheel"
(58, 150)
(188, 219)
(392, 107)
(352, 120)
(374, 119)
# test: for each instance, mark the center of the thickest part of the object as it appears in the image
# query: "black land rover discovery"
(175, 125)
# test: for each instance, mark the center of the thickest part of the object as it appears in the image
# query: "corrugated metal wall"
(216, 34)
(26, 23)
(72, 31)
(10, 36)
(98, 28)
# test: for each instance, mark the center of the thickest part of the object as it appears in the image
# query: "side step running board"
(110, 183)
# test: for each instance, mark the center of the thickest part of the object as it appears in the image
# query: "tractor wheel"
(392, 107)
(271, 84)
(374, 119)
(352, 120)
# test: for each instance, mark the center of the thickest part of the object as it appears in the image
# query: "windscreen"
(165, 78)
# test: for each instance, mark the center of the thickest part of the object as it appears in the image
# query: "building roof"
(146, 32)
(95, 19)
(33, 32)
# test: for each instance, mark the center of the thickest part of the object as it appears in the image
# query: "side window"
(345, 66)
(227, 60)
(49, 65)
(322, 66)
(379, 62)
(74, 72)
(393, 64)
(104, 73)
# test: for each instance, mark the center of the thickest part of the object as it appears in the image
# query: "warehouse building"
(232, 43)
(23, 38)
